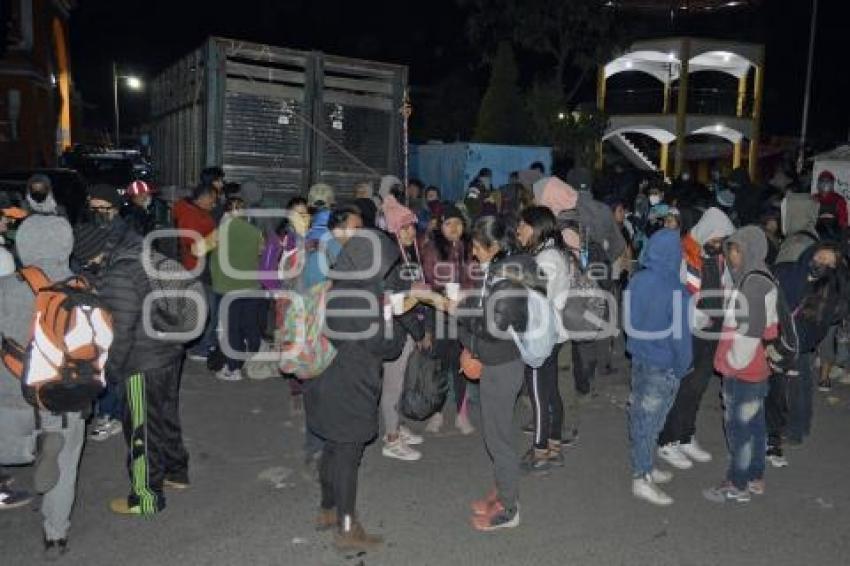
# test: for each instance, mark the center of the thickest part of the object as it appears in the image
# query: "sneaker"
(555, 454)
(55, 549)
(498, 518)
(776, 458)
(726, 492)
(105, 428)
(120, 506)
(483, 506)
(463, 425)
(225, 374)
(756, 487)
(409, 437)
(644, 488)
(671, 454)
(400, 451)
(178, 485)
(46, 474)
(10, 499)
(326, 520)
(825, 386)
(197, 356)
(694, 451)
(435, 423)
(661, 476)
(535, 460)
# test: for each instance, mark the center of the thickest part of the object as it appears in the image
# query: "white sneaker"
(105, 428)
(643, 488)
(400, 451)
(661, 476)
(463, 425)
(409, 437)
(435, 423)
(225, 374)
(671, 454)
(695, 452)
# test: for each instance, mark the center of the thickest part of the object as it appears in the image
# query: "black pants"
(681, 424)
(246, 320)
(154, 435)
(585, 360)
(776, 409)
(546, 402)
(338, 475)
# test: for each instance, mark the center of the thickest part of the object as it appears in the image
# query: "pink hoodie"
(555, 194)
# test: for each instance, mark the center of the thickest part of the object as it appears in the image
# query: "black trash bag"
(425, 387)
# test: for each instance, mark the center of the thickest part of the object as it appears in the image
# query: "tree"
(501, 117)
(576, 34)
(573, 135)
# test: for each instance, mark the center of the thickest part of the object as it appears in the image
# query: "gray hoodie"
(45, 242)
(799, 218)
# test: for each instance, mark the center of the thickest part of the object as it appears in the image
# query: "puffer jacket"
(123, 285)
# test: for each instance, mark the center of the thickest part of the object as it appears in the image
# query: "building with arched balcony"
(678, 100)
(36, 88)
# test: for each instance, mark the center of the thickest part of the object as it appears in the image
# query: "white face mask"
(654, 200)
(147, 202)
(487, 181)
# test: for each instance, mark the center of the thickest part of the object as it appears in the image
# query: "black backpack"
(425, 387)
(177, 307)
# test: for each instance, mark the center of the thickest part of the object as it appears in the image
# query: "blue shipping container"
(453, 166)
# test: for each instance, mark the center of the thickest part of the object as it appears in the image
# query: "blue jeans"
(209, 340)
(653, 392)
(800, 400)
(111, 402)
(746, 432)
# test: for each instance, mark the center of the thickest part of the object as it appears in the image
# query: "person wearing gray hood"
(798, 220)
(39, 198)
(45, 242)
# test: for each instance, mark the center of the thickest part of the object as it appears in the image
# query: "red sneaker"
(498, 518)
(484, 506)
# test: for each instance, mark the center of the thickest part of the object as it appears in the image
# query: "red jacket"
(188, 216)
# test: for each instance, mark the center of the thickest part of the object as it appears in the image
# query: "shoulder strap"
(34, 277)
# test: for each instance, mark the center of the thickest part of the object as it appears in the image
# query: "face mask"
(147, 202)
(100, 218)
(711, 250)
(38, 196)
(486, 181)
(654, 200)
(818, 271)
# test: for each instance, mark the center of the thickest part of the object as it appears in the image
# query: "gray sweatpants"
(17, 447)
(500, 387)
(392, 386)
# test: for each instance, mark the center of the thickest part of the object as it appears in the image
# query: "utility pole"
(801, 160)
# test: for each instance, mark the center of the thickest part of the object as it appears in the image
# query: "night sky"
(145, 36)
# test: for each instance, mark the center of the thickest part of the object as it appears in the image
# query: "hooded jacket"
(45, 242)
(713, 224)
(799, 217)
(342, 403)
(656, 302)
(123, 284)
(750, 316)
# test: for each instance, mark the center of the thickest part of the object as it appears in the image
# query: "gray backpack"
(177, 307)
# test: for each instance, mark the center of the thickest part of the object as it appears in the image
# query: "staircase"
(631, 152)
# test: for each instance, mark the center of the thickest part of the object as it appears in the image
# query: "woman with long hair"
(445, 265)
(537, 235)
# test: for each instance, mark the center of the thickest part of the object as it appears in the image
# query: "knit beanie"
(43, 238)
(397, 215)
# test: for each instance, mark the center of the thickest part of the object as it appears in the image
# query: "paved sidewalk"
(250, 502)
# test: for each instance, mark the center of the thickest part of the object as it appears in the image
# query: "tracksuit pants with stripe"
(546, 402)
(154, 436)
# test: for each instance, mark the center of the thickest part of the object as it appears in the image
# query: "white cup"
(453, 291)
(397, 302)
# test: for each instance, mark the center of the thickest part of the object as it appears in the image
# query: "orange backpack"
(62, 368)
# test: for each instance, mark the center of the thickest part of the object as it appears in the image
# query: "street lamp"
(133, 83)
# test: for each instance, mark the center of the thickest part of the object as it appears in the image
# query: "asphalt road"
(252, 503)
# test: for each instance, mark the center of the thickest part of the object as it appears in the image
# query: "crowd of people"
(734, 280)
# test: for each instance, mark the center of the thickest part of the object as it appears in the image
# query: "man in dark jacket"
(145, 213)
(149, 368)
